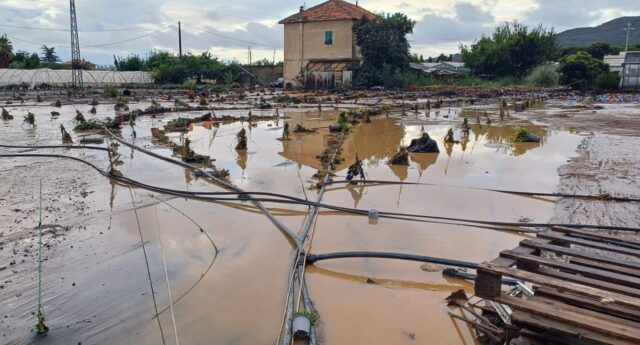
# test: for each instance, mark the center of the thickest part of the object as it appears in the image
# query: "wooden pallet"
(586, 295)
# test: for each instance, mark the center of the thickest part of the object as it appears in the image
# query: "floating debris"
(80, 117)
(6, 115)
(242, 140)
(93, 110)
(30, 119)
(301, 129)
(424, 144)
(66, 138)
(400, 158)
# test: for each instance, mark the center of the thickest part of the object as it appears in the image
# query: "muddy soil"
(227, 264)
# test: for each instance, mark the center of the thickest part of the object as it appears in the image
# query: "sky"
(228, 28)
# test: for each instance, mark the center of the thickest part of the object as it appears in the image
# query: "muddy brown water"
(96, 283)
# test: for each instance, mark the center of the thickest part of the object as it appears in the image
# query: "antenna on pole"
(628, 28)
(180, 38)
(76, 62)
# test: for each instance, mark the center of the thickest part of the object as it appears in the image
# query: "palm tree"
(6, 51)
(49, 55)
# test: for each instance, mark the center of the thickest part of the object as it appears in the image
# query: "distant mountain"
(611, 32)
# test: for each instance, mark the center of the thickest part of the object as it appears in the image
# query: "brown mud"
(231, 289)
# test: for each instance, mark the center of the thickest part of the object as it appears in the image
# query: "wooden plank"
(598, 284)
(556, 237)
(588, 303)
(631, 324)
(574, 316)
(607, 267)
(600, 235)
(487, 284)
(500, 261)
(578, 253)
(562, 285)
(595, 273)
(522, 317)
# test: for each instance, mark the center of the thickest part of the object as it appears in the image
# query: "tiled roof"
(330, 10)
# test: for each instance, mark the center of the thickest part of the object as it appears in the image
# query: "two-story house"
(319, 45)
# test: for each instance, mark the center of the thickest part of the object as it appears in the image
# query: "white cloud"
(442, 24)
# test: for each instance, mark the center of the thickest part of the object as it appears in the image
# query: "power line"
(231, 38)
(93, 46)
(66, 30)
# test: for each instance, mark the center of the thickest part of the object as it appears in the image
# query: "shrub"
(544, 76)
(607, 81)
(111, 90)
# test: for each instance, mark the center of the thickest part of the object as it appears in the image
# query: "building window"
(328, 37)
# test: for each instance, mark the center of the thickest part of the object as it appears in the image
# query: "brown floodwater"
(231, 289)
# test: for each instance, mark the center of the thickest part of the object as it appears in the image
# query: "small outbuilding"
(630, 75)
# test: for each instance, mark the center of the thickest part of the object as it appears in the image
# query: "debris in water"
(30, 119)
(79, 117)
(93, 110)
(400, 158)
(55, 114)
(57, 104)
(285, 132)
(66, 138)
(242, 140)
(301, 129)
(6, 115)
(355, 170)
(424, 144)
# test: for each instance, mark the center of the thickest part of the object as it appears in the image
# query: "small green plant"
(111, 90)
(311, 315)
(88, 125)
(521, 134)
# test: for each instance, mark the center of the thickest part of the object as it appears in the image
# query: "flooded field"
(107, 244)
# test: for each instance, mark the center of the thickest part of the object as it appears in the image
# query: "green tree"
(6, 51)
(599, 49)
(49, 55)
(513, 50)
(581, 70)
(132, 62)
(385, 49)
(23, 60)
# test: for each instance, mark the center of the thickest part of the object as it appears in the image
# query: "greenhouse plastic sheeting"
(33, 77)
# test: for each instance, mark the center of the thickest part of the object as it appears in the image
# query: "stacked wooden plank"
(586, 284)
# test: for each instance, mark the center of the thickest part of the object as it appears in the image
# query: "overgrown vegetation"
(581, 70)
(168, 68)
(521, 134)
(312, 316)
(513, 50)
(385, 50)
(544, 76)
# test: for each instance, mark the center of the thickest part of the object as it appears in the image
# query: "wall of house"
(305, 41)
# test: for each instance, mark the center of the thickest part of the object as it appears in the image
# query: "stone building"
(319, 45)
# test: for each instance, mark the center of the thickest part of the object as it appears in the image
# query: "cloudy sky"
(228, 28)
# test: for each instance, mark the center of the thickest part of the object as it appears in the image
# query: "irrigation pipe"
(313, 258)
(298, 201)
(225, 184)
(605, 197)
(166, 271)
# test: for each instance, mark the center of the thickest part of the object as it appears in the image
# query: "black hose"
(604, 197)
(283, 199)
(56, 147)
(313, 258)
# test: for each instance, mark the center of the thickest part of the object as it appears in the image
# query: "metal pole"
(180, 38)
(626, 46)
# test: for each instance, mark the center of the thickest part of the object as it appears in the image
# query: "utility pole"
(180, 38)
(76, 62)
(628, 28)
(249, 55)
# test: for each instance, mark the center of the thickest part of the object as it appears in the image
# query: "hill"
(611, 32)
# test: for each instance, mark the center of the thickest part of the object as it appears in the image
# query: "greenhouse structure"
(61, 78)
